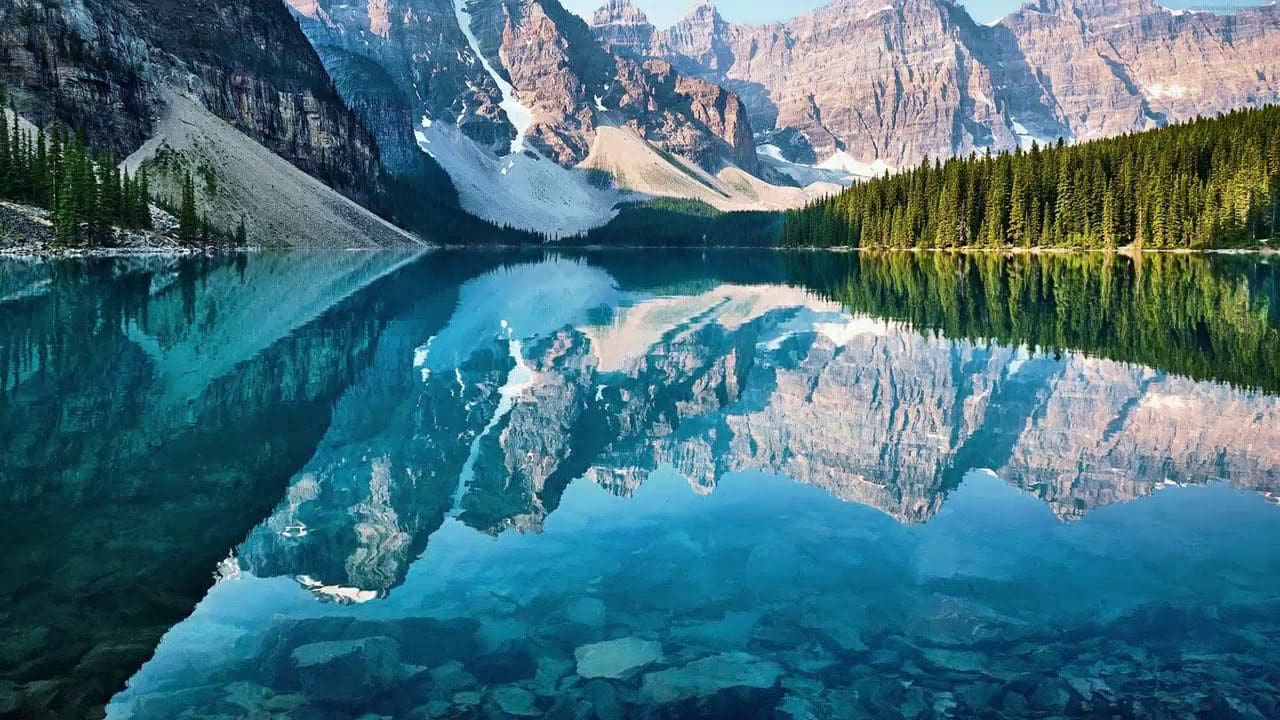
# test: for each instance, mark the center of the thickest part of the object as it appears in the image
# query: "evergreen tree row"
(1205, 183)
(84, 191)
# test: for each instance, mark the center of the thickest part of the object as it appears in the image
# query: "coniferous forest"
(86, 194)
(1203, 184)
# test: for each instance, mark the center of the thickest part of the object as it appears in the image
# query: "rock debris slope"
(110, 66)
(515, 97)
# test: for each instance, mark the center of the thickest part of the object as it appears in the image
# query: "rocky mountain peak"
(863, 82)
(704, 9)
(619, 11)
(623, 28)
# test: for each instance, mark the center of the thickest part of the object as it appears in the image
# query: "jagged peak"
(619, 12)
(703, 9)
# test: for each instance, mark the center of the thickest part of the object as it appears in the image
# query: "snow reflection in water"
(743, 501)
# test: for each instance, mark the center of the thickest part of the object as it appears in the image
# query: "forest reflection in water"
(337, 422)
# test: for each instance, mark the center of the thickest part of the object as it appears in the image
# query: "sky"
(665, 12)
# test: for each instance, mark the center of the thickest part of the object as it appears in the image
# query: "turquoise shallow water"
(615, 485)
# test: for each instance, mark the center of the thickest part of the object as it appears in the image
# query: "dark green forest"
(1207, 318)
(86, 194)
(669, 222)
(1202, 184)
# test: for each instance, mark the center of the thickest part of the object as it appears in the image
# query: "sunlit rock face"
(417, 50)
(1119, 66)
(448, 60)
(623, 28)
(899, 81)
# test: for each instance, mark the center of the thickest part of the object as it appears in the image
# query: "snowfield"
(523, 190)
(518, 115)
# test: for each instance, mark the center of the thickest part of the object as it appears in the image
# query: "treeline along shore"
(1208, 183)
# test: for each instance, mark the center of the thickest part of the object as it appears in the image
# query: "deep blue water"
(640, 484)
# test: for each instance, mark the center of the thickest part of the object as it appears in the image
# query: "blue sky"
(664, 12)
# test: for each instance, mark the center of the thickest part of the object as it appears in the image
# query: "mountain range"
(335, 123)
(869, 84)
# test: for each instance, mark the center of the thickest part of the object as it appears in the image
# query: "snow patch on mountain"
(842, 160)
(1025, 137)
(803, 175)
(519, 116)
(1174, 90)
(522, 190)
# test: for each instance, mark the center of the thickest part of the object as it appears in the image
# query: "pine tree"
(188, 220)
(144, 200)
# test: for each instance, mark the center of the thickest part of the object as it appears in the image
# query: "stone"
(514, 700)
(10, 699)
(731, 632)
(616, 658)
(603, 699)
(348, 672)
(547, 677)
(708, 676)
(585, 611)
(955, 660)
(501, 668)
(451, 677)
(914, 704)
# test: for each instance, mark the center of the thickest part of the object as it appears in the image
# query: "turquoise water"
(625, 484)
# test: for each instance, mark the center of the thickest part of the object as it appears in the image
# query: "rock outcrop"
(554, 69)
(106, 61)
(624, 29)
(865, 80)
(513, 76)
(110, 67)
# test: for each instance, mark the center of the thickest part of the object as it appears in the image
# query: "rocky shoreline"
(27, 231)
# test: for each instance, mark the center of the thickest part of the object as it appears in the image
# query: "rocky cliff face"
(624, 29)
(102, 64)
(895, 82)
(510, 76)
(401, 51)
(548, 58)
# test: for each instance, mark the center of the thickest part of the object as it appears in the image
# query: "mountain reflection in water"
(433, 485)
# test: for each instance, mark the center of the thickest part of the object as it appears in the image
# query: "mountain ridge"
(860, 81)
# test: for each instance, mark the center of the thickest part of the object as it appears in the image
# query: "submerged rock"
(585, 611)
(347, 671)
(615, 658)
(547, 677)
(708, 676)
(516, 701)
(957, 660)
(502, 667)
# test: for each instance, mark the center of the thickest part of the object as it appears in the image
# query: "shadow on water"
(150, 414)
